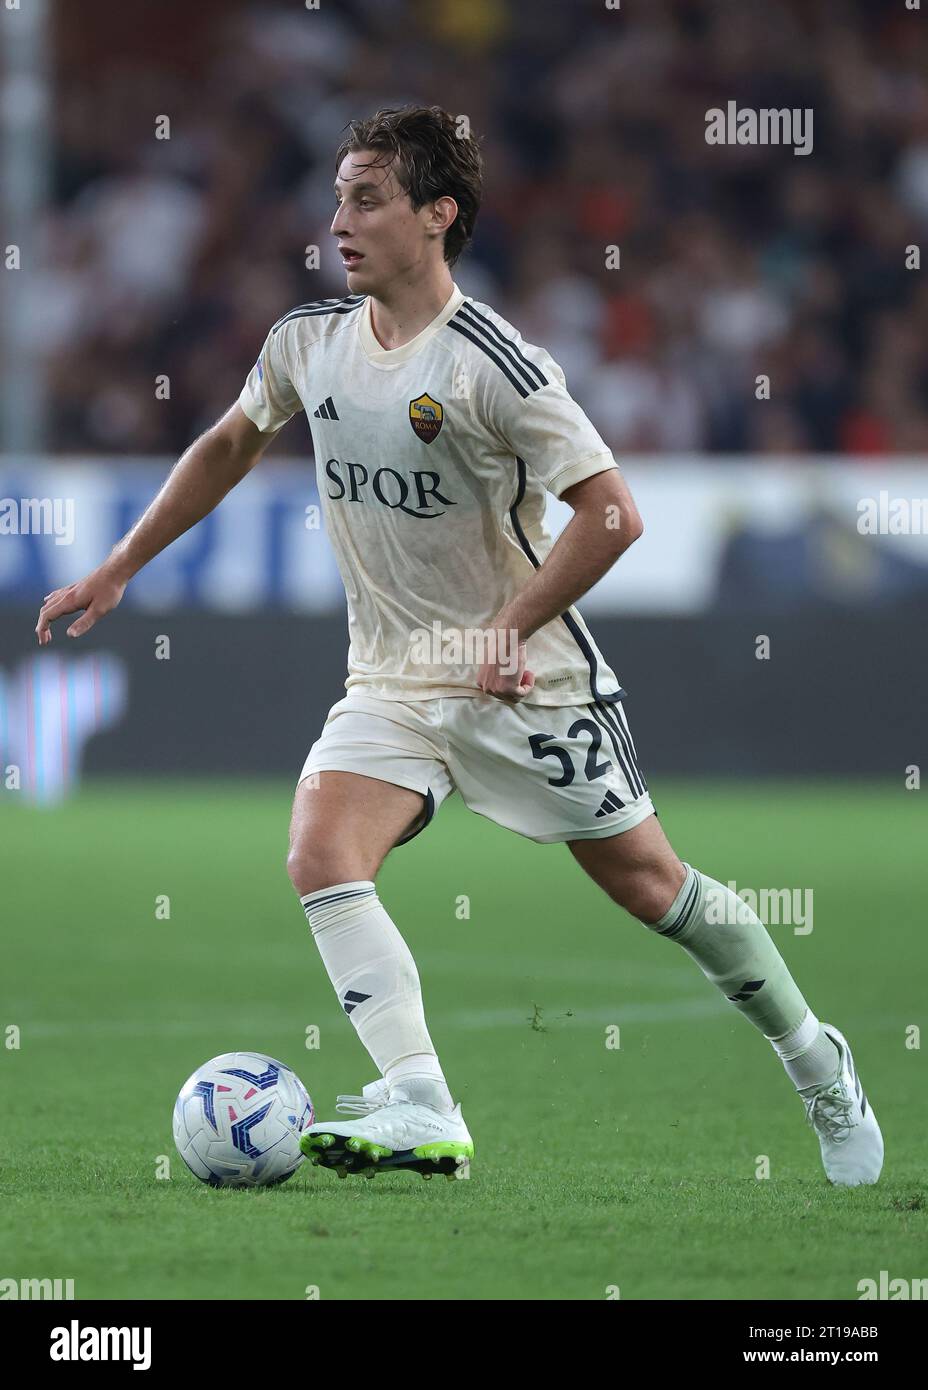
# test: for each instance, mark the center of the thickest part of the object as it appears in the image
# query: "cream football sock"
(377, 983)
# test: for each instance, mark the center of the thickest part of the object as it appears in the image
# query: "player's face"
(380, 238)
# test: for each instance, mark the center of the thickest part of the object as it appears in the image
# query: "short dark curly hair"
(430, 159)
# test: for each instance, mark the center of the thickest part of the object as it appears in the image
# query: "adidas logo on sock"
(352, 999)
(611, 803)
(326, 411)
(747, 989)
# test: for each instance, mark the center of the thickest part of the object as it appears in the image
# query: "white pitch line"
(569, 970)
(515, 1016)
(553, 1016)
(671, 1011)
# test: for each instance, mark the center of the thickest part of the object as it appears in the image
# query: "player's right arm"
(199, 481)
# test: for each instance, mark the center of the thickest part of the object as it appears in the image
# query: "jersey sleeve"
(544, 426)
(269, 398)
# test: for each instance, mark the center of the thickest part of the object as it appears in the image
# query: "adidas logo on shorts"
(611, 804)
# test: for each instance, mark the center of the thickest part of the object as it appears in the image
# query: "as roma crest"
(425, 416)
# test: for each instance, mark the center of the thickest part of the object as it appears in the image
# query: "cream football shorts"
(547, 772)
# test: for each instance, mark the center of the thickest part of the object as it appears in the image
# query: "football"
(238, 1121)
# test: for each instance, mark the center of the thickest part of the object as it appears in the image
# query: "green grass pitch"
(597, 1168)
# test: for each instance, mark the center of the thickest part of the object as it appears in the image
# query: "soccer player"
(437, 431)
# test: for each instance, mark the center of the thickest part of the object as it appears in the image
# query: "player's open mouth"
(351, 258)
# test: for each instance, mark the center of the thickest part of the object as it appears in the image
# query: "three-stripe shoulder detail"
(524, 375)
(319, 307)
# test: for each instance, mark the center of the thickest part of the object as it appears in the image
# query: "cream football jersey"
(432, 461)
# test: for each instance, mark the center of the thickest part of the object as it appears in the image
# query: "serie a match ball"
(238, 1121)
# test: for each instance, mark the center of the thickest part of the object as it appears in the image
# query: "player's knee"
(313, 866)
(647, 892)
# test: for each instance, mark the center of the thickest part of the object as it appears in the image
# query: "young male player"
(437, 432)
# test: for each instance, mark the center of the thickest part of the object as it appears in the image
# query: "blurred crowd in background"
(175, 256)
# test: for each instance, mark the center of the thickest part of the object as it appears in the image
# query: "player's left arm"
(546, 430)
(604, 524)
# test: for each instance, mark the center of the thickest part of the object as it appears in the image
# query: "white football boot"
(391, 1134)
(848, 1134)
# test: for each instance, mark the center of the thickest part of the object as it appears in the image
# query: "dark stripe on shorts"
(620, 759)
(635, 781)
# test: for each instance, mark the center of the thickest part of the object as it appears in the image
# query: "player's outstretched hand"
(97, 594)
(498, 679)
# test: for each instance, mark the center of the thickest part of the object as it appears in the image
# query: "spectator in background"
(166, 258)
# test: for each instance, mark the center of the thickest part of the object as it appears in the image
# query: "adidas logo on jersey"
(326, 411)
(611, 803)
